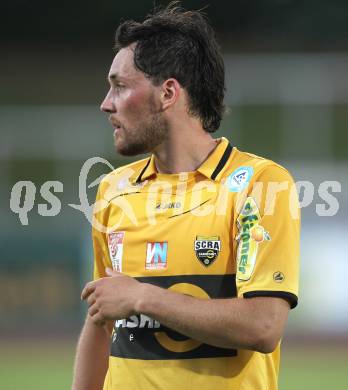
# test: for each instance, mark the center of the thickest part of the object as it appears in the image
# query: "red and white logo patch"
(115, 244)
(156, 255)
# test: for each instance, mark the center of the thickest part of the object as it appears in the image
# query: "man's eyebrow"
(114, 78)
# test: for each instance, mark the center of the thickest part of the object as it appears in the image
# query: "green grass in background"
(36, 366)
(314, 368)
(43, 366)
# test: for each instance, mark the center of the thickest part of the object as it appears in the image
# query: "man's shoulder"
(134, 168)
(256, 166)
(122, 178)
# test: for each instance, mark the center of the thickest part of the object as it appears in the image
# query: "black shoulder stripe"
(222, 161)
(291, 298)
(143, 170)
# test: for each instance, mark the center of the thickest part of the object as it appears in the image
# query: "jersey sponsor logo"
(238, 180)
(137, 321)
(156, 255)
(278, 277)
(207, 249)
(251, 233)
(115, 244)
(133, 324)
(169, 205)
(141, 337)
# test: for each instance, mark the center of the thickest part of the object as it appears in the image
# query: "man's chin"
(129, 150)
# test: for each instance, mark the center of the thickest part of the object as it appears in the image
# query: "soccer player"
(196, 247)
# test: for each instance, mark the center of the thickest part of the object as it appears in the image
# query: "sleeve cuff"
(291, 298)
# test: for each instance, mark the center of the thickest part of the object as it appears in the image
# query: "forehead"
(123, 65)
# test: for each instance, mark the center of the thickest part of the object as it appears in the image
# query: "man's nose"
(108, 104)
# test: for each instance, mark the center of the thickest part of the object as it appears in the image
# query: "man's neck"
(184, 152)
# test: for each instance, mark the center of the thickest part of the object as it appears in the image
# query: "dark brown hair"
(173, 42)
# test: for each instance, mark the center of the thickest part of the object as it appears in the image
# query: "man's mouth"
(116, 129)
(115, 124)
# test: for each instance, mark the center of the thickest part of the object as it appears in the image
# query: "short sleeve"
(100, 246)
(267, 237)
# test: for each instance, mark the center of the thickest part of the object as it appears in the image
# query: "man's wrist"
(143, 300)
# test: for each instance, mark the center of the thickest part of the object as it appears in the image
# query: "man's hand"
(112, 298)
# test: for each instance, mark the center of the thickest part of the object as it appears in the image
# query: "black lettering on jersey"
(169, 205)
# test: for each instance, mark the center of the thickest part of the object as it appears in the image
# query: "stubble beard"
(143, 139)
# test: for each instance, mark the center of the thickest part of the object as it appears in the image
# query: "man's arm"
(92, 355)
(254, 323)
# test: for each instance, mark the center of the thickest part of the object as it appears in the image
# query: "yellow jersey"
(229, 229)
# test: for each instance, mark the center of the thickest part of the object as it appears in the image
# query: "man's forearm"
(254, 324)
(92, 354)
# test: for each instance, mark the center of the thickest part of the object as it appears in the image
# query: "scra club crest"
(207, 249)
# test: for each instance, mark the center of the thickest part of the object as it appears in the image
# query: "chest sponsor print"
(141, 337)
(156, 255)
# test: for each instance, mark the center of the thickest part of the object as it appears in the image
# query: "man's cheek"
(137, 101)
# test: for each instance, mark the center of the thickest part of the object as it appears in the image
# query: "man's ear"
(170, 93)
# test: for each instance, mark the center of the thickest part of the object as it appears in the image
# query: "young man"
(196, 247)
